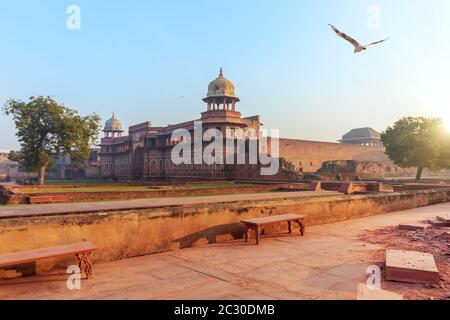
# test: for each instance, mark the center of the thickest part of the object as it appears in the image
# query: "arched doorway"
(138, 163)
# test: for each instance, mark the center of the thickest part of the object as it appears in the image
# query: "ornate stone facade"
(145, 153)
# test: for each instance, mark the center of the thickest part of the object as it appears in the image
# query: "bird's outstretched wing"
(377, 42)
(345, 37)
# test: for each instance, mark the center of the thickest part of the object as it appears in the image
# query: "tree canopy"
(48, 130)
(418, 142)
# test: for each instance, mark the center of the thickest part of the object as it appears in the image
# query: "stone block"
(411, 267)
(347, 188)
(444, 218)
(385, 187)
(315, 186)
(438, 223)
(365, 293)
(414, 226)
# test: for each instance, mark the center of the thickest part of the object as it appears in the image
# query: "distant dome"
(361, 133)
(113, 124)
(221, 87)
(362, 136)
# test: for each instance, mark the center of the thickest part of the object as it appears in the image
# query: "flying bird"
(358, 47)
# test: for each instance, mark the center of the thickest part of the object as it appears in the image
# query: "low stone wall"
(351, 187)
(418, 186)
(124, 234)
(39, 198)
(130, 195)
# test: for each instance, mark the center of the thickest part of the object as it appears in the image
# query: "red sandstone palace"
(145, 153)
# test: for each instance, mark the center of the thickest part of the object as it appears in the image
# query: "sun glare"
(446, 120)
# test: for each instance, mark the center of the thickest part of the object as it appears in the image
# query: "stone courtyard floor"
(328, 263)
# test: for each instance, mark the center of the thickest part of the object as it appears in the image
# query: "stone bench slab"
(411, 267)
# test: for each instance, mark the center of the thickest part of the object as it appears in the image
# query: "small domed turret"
(113, 127)
(221, 93)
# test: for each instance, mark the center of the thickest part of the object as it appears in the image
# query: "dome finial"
(221, 71)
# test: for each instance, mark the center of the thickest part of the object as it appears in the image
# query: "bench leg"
(80, 262)
(89, 265)
(86, 259)
(258, 235)
(302, 227)
(247, 233)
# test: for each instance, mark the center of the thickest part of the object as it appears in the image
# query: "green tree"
(47, 130)
(418, 142)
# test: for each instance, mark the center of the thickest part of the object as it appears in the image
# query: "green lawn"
(79, 182)
(214, 185)
(128, 188)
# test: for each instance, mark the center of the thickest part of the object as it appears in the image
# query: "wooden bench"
(258, 224)
(83, 251)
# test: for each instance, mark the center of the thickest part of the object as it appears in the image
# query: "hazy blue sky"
(152, 60)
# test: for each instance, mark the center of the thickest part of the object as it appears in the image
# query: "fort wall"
(310, 155)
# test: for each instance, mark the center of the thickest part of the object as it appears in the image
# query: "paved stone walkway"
(51, 209)
(328, 263)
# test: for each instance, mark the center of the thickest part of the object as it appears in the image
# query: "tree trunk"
(419, 173)
(41, 180)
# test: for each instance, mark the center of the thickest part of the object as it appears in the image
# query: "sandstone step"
(414, 226)
(411, 267)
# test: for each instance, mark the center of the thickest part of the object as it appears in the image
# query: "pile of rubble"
(417, 258)
(434, 235)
